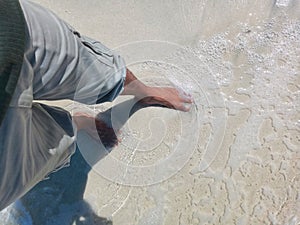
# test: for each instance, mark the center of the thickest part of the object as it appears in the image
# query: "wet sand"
(233, 159)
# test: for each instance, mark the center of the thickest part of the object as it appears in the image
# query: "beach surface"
(233, 159)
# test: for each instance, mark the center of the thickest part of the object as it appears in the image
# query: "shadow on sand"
(59, 199)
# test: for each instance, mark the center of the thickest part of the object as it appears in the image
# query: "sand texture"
(233, 159)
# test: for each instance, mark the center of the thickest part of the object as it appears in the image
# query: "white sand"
(235, 158)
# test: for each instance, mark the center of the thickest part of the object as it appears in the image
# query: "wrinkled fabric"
(58, 64)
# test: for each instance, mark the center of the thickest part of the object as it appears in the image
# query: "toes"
(184, 107)
(188, 100)
(187, 108)
(186, 97)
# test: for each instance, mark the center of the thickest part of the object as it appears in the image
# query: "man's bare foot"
(167, 97)
(161, 96)
(96, 129)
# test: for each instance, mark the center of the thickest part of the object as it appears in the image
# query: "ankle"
(82, 120)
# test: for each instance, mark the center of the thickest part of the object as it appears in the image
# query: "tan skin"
(163, 96)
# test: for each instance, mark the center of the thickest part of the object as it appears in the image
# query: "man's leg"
(146, 95)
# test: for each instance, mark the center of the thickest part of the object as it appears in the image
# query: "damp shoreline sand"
(240, 60)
